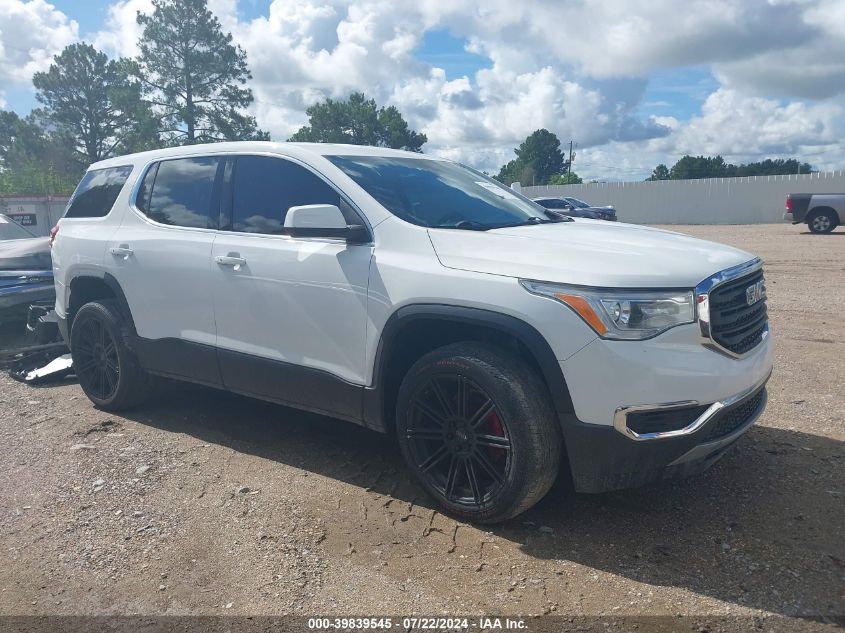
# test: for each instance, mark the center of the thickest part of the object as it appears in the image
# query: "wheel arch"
(86, 287)
(833, 212)
(417, 329)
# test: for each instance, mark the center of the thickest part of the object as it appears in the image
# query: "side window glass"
(266, 187)
(142, 200)
(182, 193)
(97, 191)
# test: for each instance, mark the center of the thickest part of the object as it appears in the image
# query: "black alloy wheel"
(478, 431)
(95, 360)
(108, 371)
(459, 439)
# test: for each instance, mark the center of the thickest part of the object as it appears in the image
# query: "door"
(161, 257)
(290, 312)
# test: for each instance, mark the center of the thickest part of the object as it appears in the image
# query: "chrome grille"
(734, 324)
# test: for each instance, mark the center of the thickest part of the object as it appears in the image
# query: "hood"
(588, 253)
(26, 254)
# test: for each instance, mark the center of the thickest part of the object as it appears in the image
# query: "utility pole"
(571, 158)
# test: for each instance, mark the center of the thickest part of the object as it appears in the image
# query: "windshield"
(11, 230)
(578, 204)
(439, 194)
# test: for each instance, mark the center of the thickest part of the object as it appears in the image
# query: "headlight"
(622, 314)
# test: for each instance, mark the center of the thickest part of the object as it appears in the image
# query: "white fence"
(752, 200)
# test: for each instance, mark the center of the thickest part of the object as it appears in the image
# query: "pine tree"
(194, 74)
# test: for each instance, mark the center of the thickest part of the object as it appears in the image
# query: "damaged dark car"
(26, 272)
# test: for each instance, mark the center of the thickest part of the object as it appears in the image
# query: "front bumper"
(609, 381)
(601, 459)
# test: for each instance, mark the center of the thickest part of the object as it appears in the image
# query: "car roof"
(300, 150)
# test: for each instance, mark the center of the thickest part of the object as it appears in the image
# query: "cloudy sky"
(632, 83)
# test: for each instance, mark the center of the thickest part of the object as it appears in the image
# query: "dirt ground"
(207, 503)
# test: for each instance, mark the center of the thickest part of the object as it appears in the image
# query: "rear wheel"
(478, 431)
(107, 370)
(822, 221)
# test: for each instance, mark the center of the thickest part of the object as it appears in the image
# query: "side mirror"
(323, 220)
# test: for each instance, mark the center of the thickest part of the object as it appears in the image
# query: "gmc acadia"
(501, 342)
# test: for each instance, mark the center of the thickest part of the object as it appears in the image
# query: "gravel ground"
(203, 502)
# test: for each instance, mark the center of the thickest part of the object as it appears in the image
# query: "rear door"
(290, 312)
(161, 256)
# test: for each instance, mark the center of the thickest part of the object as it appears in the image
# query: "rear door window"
(182, 192)
(95, 194)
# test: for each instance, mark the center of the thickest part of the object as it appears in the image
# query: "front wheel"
(476, 426)
(821, 222)
(107, 370)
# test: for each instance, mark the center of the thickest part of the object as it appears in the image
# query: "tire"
(108, 371)
(491, 458)
(822, 221)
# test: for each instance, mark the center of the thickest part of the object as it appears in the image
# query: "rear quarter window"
(95, 194)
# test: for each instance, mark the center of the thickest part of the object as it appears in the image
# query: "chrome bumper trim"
(620, 418)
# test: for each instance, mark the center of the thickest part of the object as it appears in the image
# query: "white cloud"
(579, 69)
(740, 128)
(119, 37)
(30, 34)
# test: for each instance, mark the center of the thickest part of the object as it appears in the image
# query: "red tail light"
(53, 233)
(788, 203)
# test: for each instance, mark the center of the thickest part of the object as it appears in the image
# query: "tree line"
(697, 167)
(187, 85)
(540, 161)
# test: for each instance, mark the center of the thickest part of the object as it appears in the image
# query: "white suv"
(500, 341)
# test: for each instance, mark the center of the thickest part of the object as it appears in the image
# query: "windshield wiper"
(556, 216)
(467, 225)
(527, 222)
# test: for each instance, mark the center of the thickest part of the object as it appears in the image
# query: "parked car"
(821, 212)
(411, 294)
(576, 208)
(26, 273)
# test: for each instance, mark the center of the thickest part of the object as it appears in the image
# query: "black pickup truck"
(821, 212)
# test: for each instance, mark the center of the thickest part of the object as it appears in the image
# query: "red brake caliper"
(495, 427)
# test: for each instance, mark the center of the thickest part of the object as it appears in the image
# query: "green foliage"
(661, 172)
(194, 75)
(358, 121)
(21, 140)
(773, 167)
(91, 99)
(538, 158)
(696, 167)
(33, 161)
(37, 179)
(569, 178)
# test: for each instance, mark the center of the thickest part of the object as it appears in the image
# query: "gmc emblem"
(755, 292)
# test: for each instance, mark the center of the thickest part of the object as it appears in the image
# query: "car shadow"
(761, 529)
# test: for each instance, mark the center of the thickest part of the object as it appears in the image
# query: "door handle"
(229, 260)
(121, 251)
